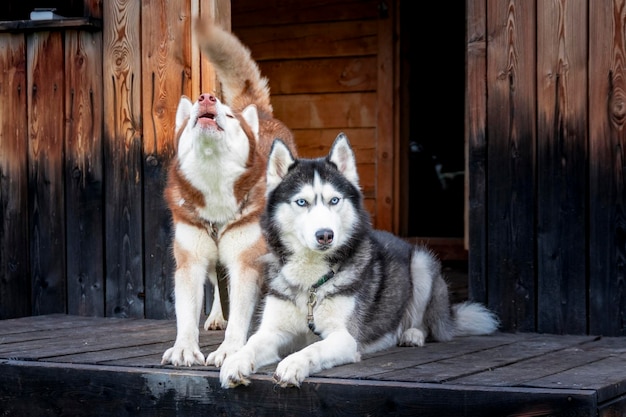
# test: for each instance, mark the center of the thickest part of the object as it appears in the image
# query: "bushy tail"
(242, 83)
(473, 319)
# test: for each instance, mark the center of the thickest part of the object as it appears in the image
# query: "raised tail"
(242, 83)
(472, 318)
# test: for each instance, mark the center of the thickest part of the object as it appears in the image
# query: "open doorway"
(432, 148)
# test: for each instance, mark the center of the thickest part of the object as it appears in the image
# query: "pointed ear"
(278, 164)
(251, 116)
(183, 112)
(341, 154)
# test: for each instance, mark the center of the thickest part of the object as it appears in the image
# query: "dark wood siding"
(46, 128)
(85, 138)
(545, 135)
(561, 167)
(15, 286)
(607, 195)
(83, 169)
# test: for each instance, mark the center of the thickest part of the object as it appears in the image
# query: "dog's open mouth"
(207, 119)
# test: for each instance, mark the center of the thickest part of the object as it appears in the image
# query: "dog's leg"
(194, 251)
(280, 323)
(244, 291)
(216, 320)
(338, 348)
(244, 270)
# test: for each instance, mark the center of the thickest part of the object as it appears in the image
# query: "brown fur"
(236, 239)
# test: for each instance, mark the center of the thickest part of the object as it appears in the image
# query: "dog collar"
(313, 298)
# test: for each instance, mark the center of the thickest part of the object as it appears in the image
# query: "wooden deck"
(63, 365)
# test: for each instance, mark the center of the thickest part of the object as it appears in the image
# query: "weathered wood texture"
(15, 286)
(84, 173)
(46, 173)
(56, 365)
(86, 132)
(561, 177)
(607, 141)
(545, 137)
(122, 57)
(330, 69)
(511, 132)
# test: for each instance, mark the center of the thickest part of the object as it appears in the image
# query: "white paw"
(226, 349)
(236, 369)
(292, 370)
(215, 322)
(412, 337)
(183, 355)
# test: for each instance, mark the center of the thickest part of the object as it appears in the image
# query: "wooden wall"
(330, 67)
(545, 130)
(86, 133)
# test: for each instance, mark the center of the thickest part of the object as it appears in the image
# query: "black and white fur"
(384, 291)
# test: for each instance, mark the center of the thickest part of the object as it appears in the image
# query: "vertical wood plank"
(561, 166)
(122, 158)
(387, 124)
(46, 119)
(83, 173)
(607, 195)
(476, 144)
(15, 290)
(166, 71)
(511, 181)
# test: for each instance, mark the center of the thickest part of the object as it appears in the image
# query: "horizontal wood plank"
(320, 40)
(333, 75)
(277, 12)
(326, 111)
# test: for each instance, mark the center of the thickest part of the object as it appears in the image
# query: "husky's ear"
(278, 164)
(183, 112)
(251, 116)
(341, 154)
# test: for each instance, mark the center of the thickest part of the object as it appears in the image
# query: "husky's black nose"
(324, 236)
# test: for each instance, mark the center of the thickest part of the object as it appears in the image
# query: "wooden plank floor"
(73, 366)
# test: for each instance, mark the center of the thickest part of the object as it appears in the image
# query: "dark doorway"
(433, 77)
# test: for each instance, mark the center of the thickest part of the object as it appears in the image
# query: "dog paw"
(236, 369)
(215, 323)
(218, 357)
(412, 337)
(291, 371)
(183, 356)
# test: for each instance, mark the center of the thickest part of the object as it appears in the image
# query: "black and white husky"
(336, 286)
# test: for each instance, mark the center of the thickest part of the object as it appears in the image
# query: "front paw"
(291, 371)
(226, 349)
(236, 369)
(183, 355)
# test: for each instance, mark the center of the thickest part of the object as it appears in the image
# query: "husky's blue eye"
(301, 202)
(334, 201)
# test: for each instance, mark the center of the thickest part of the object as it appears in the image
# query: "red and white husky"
(216, 193)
